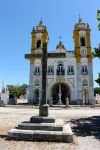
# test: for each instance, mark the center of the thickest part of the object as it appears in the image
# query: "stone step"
(38, 135)
(40, 126)
(36, 119)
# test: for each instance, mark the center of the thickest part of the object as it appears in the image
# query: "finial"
(33, 28)
(41, 22)
(3, 87)
(3, 83)
(80, 20)
(60, 38)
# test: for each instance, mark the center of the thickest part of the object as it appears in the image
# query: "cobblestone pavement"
(85, 123)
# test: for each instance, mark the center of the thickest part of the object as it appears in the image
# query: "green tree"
(96, 90)
(17, 90)
(96, 52)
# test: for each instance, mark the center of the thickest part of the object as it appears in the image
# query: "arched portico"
(61, 90)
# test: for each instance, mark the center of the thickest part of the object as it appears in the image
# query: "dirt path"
(85, 127)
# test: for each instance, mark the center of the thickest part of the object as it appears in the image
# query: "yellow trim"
(88, 46)
(77, 46)
(32, 60)
(90, 59)
(33, 48)
(33, 42)
(45, 37)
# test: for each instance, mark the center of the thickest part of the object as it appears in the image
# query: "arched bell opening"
(82, 41)
(36, 92)
(38, 44)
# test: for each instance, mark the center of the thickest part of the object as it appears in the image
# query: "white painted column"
(59, 94)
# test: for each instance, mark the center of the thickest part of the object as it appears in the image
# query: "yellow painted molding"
(45, 37)
(90, 59)
(33, 42)
(31, 60)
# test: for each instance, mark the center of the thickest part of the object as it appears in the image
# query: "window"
(50, 70)
(70, 70)
(37, 71)
(60, 69)
(38, 45)
(82, 41)
(84, 70)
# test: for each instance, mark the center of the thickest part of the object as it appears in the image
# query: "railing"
(36, 73)
(51, 73)
(84, 73)
(60, 72)
(70, 73)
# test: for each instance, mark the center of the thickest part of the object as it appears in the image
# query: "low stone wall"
(97, 99)
(22, 101)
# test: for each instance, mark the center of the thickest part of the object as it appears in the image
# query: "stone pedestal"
(44, 110)
(42, 129)
(5, 98)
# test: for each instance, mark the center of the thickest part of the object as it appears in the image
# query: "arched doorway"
(36, 96)
(65, 93)
(85, 97)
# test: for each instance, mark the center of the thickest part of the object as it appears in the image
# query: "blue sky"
(17, 17)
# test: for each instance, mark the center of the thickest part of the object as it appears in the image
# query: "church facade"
(69, 73)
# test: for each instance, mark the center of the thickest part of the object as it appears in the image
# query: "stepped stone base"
(42, 119)
(42, 129)
(40, 126)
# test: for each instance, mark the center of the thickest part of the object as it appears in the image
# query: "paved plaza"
(85, 123)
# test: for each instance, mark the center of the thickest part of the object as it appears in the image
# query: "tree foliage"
(96, 52)
(96, 90)
(98, 80)
(17, 90)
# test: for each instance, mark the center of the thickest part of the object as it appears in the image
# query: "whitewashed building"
(69, 73)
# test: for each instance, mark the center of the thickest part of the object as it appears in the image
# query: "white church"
(69, 73)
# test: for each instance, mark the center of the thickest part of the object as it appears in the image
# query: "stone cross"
(44, 74)
(44, 108)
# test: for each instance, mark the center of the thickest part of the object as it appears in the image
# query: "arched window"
(82, 41)
(50, 70)
(70, 70)
(60, 69)
(84, 70)
(38, 45)
(37, 70)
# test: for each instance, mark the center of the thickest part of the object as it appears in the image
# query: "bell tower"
(81, 35)
(39, 36)
(83, 56)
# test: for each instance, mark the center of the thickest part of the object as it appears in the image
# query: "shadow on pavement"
(87, 126)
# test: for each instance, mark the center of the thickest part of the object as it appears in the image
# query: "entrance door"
(37, 96)
(65, 93)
